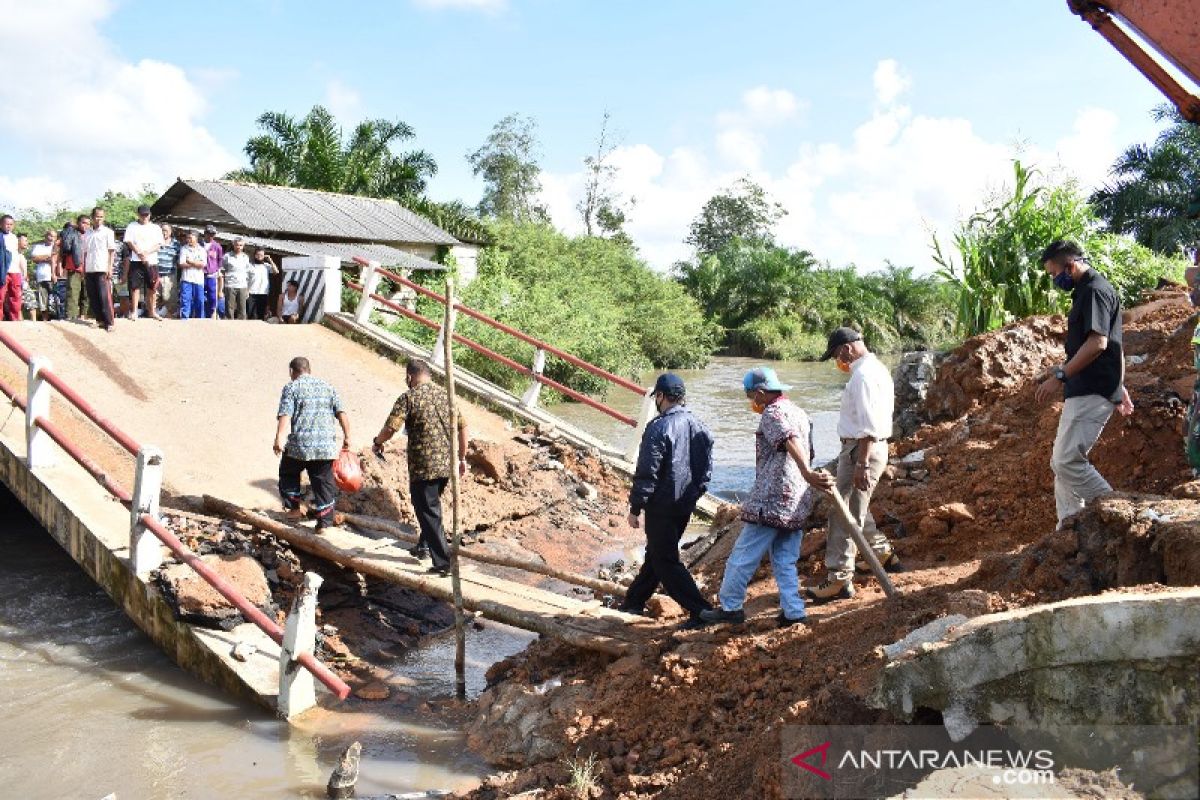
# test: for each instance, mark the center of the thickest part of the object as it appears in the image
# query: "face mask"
(1064, 281)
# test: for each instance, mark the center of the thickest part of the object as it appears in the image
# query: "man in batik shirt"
(423, 412)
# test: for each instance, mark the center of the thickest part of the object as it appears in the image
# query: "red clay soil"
(698, 714)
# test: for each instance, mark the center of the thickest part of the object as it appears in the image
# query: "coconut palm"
(1150, 187)
(312, 153)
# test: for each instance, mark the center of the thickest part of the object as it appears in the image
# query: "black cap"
(838, 338)
(670, 385)
(143, 209)
(210, 228)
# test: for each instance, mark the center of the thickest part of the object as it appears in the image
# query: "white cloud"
(489, 6)
(873, 194)
(94, 121)
(889, 81)
(344, 102)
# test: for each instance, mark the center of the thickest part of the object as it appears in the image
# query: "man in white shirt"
(10, 271)
(143, 238)
(864, 426)
(44, 259)
(192, 260)
(235, 269)
(99, 250)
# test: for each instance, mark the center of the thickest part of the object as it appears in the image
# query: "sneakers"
(833, 588)
(783, 622)
(694, 624)
(889, 560)
(713, 615)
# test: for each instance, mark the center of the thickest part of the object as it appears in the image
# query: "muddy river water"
(89, 706)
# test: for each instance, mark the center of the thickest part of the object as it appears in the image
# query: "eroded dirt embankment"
(697, 714)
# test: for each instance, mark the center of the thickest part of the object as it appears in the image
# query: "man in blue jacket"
(673, 470)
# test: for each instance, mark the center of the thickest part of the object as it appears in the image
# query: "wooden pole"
(864, 547)
(500, 560)
(460, 631)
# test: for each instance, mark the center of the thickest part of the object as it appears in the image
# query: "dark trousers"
(662, 565)
(427, 504)
(256, 306)
(99, 295)
(320, 477)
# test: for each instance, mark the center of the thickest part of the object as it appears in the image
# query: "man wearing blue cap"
(673, 469)
(864, 426)
(779, 505)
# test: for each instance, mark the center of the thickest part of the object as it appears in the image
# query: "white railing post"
(530, 398)
(39, 451)
(644, 416)
(297, 691)
(370, 281)
(145, 551)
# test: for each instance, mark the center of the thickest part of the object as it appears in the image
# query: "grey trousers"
(1075, 479)
(235, 303)
(839, 545)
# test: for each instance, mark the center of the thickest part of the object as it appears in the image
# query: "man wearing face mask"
(864, 426)
(673, 469)
(1091, 380)
(779, 505)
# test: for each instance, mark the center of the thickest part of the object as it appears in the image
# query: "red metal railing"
(517, 334)
(178, 548)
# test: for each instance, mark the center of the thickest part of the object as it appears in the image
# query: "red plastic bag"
(347, 472)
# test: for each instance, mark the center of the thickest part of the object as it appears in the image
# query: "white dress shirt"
(867, 401)
(97, 244)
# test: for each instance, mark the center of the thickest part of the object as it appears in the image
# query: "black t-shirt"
(1095, 308)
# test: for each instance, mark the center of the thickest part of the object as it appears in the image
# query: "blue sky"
(873, 123)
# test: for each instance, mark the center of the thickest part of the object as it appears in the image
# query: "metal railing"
(146, 531)
(372, 273)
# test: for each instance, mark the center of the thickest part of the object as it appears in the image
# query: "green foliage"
(313, 153)
(743, 211)
(1151, 184)
(1131, 267)
(588, 296)
(998, 276)
(508, 164)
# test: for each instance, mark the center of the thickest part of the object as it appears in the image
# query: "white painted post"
(39, 450)
(530, 398)
(297, 691)
(370, 282)
(644, 416)
(145, 550)
(439, 348)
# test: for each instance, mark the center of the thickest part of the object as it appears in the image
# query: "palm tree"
(1150, 187)
(311, 153)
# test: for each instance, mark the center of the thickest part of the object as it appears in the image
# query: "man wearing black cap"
(673, 470)
(143, 238)
(864, 426)
(1092, 379)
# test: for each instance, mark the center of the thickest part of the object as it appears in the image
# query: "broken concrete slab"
(925, 634)
(198, 602)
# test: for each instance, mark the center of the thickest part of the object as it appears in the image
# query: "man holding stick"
(423, 412)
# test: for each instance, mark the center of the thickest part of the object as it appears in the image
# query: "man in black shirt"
(1092, 379)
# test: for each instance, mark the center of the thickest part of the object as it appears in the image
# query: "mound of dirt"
(969, 503)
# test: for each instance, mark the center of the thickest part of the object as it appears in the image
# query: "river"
(91, 706)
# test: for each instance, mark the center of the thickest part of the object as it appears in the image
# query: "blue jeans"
(752, 544)
(191, 300)
(210, 295)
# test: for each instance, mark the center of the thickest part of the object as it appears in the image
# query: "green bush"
(1131, 267)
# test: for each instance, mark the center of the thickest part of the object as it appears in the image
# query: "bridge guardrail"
(142, 502)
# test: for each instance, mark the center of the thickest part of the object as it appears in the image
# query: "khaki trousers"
(77, 301)
(839, 546)
(1075, 479)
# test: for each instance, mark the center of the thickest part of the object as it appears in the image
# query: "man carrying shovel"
(864, 425)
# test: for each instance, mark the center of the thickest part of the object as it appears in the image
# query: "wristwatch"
(1060, 373)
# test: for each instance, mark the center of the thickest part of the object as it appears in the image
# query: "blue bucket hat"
(763, 378)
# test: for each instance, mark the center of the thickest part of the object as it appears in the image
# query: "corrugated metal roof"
(346, 251)
(278, 209)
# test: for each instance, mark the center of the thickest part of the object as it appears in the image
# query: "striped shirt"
(168, 257)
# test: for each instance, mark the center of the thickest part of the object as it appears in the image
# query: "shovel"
(856, 532)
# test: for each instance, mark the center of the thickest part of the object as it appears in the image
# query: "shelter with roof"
(303, 222)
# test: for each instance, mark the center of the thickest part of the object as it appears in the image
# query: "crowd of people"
(674, 463)
(85, 273)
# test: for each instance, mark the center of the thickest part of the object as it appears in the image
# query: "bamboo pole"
(864, 547)
(359, 561)
(515, 562)
(460, 632)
